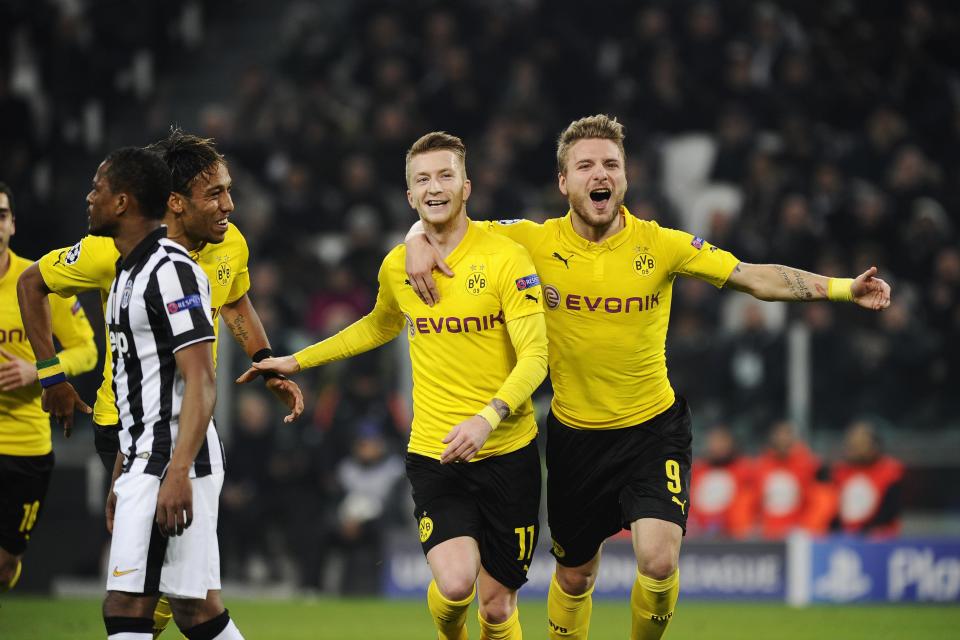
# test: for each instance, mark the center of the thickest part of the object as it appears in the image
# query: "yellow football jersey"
(460, 349)
(92, 264)
(24, 425)
(608, 307)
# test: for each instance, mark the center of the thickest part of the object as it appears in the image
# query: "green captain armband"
(50, 372)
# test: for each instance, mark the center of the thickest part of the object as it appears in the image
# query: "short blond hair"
(438, 141)
(600, 126)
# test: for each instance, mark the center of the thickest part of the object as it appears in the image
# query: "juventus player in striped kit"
(159, 323)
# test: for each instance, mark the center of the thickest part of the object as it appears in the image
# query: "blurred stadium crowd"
(821, 135)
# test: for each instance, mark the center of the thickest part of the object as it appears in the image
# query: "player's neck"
(597, 234)
(178, 234)
(4, 262)
(446, 237)
(133, 234)
(184, 241)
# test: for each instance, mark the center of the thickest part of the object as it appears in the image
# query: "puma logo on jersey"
(118, 574)
(565, 261)
(531, 297)
(683, 504)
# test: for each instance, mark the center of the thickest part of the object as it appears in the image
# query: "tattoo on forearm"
(802, 291)
(239, 329)
(796, 285)
(500, 407)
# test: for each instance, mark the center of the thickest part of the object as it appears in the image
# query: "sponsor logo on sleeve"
(192, 301)
(75, 309)
(697, 242)
(527, 281)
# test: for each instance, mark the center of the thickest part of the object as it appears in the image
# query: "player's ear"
(467, 189)
(175, 202)
(410, 199)
(122, 202)
(562, 183)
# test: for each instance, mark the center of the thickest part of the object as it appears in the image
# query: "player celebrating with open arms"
(618, 437)
(477, 357)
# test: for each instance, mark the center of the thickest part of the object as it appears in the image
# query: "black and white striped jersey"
(158, 304)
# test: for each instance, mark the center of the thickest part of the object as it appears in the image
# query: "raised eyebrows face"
(205, 213)
(437, 187)
(594, 181)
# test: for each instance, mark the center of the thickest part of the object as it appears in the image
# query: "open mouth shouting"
(601, 198)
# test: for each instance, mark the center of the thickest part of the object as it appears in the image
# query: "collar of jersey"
(141, 249)
(462, 246)
(568, 234)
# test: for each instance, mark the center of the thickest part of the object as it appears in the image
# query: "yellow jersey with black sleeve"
(24, 425)
(608, 308)
(485, 339)
(92, 264)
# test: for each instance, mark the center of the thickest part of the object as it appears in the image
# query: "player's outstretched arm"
(421, 259)
(244, 323)
(369, 332)
(175, 500)
(282, 365)
(776, 282)
(59, 397)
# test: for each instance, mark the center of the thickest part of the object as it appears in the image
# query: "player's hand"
(110, 509)
(465, 439)
(15, 372)
(61, 401)
(287, 365)
(289, 394)
(421, 259)
(871, 292)
(174, 504)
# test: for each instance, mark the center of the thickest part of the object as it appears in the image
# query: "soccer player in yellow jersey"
(197, 217)
(477, 356)
(26, 452)
(618, 439)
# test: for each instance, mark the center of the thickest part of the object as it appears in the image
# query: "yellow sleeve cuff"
(490, 414)
(840, 289)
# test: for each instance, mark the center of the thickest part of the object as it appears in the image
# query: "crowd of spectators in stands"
(827, 136)
(787, 489)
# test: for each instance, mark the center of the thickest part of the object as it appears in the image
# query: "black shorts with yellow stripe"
(495, 501)
(599, 481)
(23, 490)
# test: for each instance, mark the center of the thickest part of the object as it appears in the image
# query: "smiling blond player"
(472, 461)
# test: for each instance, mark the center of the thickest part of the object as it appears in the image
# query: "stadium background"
(820, 135)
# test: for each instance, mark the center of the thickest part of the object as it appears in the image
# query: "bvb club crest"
(558, 550)
(477, 280)
(644, 264)
(223, 273)
(426, 528)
